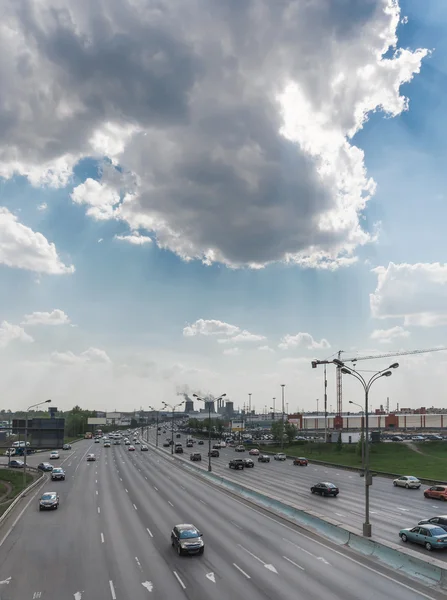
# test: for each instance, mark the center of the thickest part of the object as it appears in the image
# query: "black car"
(45, 466)
(195, 456)
(248, 463)
(187, 539)
(166, 444)
(49, 501)
(440, 521)
(200, 442)
(264, 458)
(325, 489)
(178, 450)
(214, 453)
(58, 474)
(236, 463)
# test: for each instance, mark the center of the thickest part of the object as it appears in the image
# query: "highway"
(109, 539)
(392, 508)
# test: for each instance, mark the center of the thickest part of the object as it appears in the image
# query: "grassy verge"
(392, 458)
(15, 479)
(70, 440)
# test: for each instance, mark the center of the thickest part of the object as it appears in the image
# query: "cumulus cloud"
(302, 340)
(10, 333)
(55, 317)
(90, 356)
(265, 349)
(232, 351)
(386, 336)
(134, 238)
(210, 327)
(231, 123)
(243, 336)
(416, 293)
(23, 248)
(42, 206)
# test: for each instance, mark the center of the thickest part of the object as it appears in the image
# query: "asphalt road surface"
(391, 508)
(109, 539)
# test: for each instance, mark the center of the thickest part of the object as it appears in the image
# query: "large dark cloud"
(188, 97)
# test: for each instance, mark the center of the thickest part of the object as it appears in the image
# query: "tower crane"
(338, 420)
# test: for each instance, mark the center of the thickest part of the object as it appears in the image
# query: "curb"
(20, 496)
(428, 571)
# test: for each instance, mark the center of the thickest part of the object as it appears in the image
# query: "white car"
(127, 442)
(280, 456)
(54, 455)
(407, 481)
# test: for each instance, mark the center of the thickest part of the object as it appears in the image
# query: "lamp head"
(346, 371)
(337, 362)
(394, 366)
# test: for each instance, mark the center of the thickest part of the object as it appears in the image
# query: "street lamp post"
(172, 407)
(317, 407)
(283, 385)
(367, 528)
(363, 431)
(209, 425)
(249, 411)
(156, 432)
(25, 450)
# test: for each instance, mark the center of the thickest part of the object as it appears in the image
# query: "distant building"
(189, 406)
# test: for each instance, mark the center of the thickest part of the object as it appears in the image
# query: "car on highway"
(325, 488)
(300, 461)
(214, 453)
(189, 444)
(54, 455)
(216, 446)
(16, 464)
(106, 444)
(166, 444)
(144, 448)
(200, 442)
(196, 456)
(97, 440)
(236, 463)
(91, 457)
(44, 466)
(178, 449)
(49, 500)
(441, 521)
(428, 535)
(127, 442)
(407, 481)
(187, 539)
(137, 442)
(58, 474)
(240, 448)
(66, 447)
(131, 448)
(248, 463)
(264, 458)
(117, 443)
(280, 456)
(254, 452)
(437, 492)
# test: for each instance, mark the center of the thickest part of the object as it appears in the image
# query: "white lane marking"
(236, 525)
(169, 502)
(99, 510)
(402, 508)
(135, 507)
(112, 590)
(203, 502)
(138, 562)
(126, 490)
(241, 571)
(97, 492)
(267, 566)
(120, 479)
(179, 580)
(96, 481)
(148, 585)
(340, 515)
(78, 595)
(307, 552)
(7, 581)
(145, 477)
(294, 563)
(102, 538)
(69, 465)
(149, 532)
(7, 534)
(211, 577)
(156, 488)
(183, 488)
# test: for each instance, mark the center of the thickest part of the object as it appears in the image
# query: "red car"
(300, 461)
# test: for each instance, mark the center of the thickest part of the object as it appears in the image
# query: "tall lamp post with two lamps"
(209, 424)
(172, 407)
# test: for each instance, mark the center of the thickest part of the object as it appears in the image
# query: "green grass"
(15, 479)
(69, 440)
(387, 457)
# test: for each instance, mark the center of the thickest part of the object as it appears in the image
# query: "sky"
(203, 197)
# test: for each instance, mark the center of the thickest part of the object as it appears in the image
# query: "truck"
(88, 435)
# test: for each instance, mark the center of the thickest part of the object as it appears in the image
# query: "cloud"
(416, 293)
(386, 336)
(301, 340)
(10, 333)
(243, 336)
(90, 356)
(134, 238)
(23, 248)
(232, 351)
(210, 327)
(42, 206)
(55, 317)
(265, 349)
(232, 146)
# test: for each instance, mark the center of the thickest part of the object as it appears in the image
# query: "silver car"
(407, 481)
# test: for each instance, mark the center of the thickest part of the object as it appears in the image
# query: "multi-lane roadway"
(110, 539)
(392, 508)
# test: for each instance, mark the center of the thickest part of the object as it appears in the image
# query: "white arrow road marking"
(269, 567)
(402, 508)
(211, 577)
(7, 581)
(307, 552)
(148, 585)
(78, 595)
(322, 560)
(37, 595)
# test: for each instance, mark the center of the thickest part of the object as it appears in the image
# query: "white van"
(19, 444)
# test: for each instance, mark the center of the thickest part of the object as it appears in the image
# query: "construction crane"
(338, 420)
